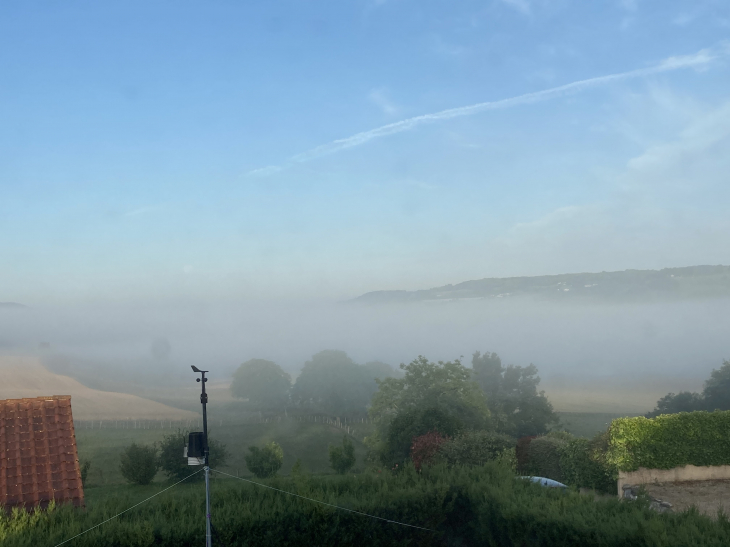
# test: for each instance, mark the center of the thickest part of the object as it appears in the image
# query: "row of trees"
(332, 383)
(714, 396)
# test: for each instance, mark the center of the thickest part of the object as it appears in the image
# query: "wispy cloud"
(523, 6)
(701, 59)
(380, 98)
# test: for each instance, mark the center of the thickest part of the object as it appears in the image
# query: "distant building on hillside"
(38, 457)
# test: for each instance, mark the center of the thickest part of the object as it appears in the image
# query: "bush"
(426, 447)
(265, 462)
(176, 467)
(459, 506)
(84, 470)
(581, 465)
(522, 453)
(139, 463)
(670, 440)
(544, 454)
(342, 458)
(411, 424)
(476, 448)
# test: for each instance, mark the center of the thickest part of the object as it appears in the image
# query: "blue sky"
(223, 150)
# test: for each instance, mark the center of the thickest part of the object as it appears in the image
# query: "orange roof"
(38, 458)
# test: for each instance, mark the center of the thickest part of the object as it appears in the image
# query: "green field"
(305, 440)
(588, 424)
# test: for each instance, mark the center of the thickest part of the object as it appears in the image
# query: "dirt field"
(26, 377)
(707, 496)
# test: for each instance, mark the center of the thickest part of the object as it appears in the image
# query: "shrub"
(139, 463)
(411, 424)
(175, 466)
(670, 440)
(425, 448)
(84, 470)
(476, 447)
(342, 458)
(459, 506)
(544, 454)
(265, 462)
(581, 465)
(523, 455)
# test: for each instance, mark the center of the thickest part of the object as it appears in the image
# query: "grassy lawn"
(308, 441)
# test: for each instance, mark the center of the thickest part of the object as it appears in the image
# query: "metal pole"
(206, 468)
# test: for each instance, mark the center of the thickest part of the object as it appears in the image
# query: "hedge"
(669, 440)
(544, 456)
(467, 505)
(581, 467)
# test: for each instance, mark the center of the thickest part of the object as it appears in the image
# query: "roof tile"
(38, 457)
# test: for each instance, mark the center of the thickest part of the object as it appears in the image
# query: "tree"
(429, 397)
(265, 462)
(342, 458)
(175, 465)
(139, 463)
(714, 396)
(334, 384)
(717, 388)
(263, 383)
(518, 408)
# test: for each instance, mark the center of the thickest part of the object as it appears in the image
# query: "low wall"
(677, 474)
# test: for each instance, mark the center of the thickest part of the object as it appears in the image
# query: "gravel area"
(707, 496)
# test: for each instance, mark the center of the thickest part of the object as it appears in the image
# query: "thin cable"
(324, 502)
(129, 509)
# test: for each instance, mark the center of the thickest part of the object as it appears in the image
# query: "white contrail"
(699, 59)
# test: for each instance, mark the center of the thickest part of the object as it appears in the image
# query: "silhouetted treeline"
(714, 396)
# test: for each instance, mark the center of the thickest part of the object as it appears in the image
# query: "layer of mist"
(591, 357)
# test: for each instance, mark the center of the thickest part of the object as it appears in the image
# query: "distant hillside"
(666, 284)
(27, 377)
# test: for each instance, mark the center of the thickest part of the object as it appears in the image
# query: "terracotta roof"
(38, 458)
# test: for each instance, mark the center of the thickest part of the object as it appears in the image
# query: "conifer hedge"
(670, 440)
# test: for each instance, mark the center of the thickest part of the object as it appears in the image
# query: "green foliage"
(476, 448)
(84, 471)
(19, 521)
(670, 440)
(429, 397)
(461, 506)
(263, 383)
(342, 458)
(544, 454)
(714, 396)
(333, 384)
(581, 465)
(517, 407)
(139, 463)
(265, 462)
(176, 467)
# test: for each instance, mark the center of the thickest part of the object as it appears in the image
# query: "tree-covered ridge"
(668, 283)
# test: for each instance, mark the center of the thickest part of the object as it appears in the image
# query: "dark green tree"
(263, 383)
(334, 384)
(175, 465)
(714, 396)
(139, 463)
(517, 407)
(265, 462)
(342, 458)
(439, 397)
